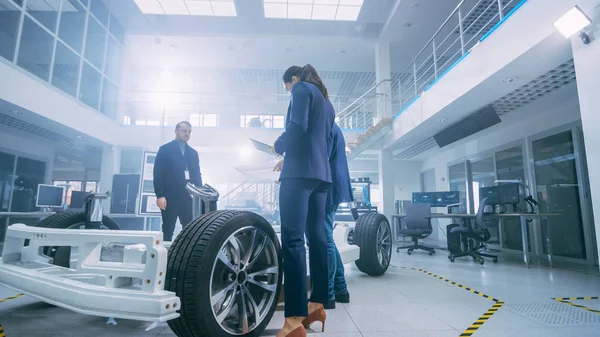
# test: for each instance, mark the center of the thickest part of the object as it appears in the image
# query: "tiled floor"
(404, 302)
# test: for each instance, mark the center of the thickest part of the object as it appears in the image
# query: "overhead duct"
(468, 126)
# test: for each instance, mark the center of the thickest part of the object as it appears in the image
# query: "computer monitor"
(443, 199)
(77, 199)
(49, 196)
(491, 193)
(423, 198)
(509, 194)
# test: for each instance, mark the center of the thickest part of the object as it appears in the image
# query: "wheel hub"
(242, 277)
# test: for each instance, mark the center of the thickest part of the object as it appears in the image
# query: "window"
(100, 11)
(65, 73)
(45, 11)
(89, 92)
(35, 51)
(7, 165)
(9, 25)
(72, 24)
(204, 120)
(110, 96)
(30, 173)
(114, 57)
(117, 30)
(262, 121)
(95, 43)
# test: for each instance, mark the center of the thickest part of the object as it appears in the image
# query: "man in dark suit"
(175, 165)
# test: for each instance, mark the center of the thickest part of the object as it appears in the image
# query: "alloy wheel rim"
(243, 280)
(384, 247)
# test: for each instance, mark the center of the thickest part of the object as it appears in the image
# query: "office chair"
(476, 235)
(418, 226)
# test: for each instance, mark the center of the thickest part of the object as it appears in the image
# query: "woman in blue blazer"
(304, 181)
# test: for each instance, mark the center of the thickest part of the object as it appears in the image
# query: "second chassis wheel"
(225, 268)
(69, 220)
(374, 237)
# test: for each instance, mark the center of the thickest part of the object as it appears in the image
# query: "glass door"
(510, 166)
(558, 191)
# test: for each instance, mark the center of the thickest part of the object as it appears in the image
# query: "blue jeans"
(337, 281)
(335, 266)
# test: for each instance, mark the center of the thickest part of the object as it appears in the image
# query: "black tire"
(191, 261)
(62, 255)
(365, 236)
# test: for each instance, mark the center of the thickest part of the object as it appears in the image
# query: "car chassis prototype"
(221, 276)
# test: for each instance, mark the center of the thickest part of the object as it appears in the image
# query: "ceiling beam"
(391, 17)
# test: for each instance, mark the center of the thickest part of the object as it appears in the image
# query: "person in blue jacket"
(304, 180)
(340, 192)
(175, 165)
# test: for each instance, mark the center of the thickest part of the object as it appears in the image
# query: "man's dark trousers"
(180, 207)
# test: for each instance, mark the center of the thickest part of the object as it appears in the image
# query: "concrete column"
(587, 69)
(386, 183)
(111, 163)
(383, 72)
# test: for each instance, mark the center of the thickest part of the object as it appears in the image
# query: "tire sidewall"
(203, 275)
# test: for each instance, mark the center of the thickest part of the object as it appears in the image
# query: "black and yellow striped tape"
(10, 298)
(567, 300)
(2, 332)
(479, 322)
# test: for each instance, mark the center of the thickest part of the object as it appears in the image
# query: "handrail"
(435, 34)
(362, 96)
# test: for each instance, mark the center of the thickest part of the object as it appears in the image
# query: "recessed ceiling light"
(338, 10)
(443, 120)
(415, 5)
(78, 137)
(188, 7)
(509, 79)
(408, 24)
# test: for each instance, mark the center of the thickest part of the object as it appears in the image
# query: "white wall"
(554, 110)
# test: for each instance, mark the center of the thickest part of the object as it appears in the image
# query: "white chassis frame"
(131, 289)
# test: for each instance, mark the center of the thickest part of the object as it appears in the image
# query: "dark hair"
(306, 74)
(183, 122)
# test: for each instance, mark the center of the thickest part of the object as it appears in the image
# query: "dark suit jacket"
(341, 188)
(169, 171)
(304, 141)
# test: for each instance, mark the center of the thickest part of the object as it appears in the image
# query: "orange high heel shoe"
(318, 315)
(298, 332)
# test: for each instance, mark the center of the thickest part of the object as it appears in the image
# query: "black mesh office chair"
(476, 235)
(418, 226)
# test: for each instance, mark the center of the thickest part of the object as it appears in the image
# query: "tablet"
(260, 146)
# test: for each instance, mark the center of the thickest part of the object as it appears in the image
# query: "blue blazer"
(169, 171)
(341, 188)
(307, 130)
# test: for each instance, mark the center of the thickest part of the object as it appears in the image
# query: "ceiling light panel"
(339, 10)
(188, 7)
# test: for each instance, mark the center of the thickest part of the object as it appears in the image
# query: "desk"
(523, 217)
(26, 214)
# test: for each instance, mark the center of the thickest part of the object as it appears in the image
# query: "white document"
(151, 206)
(187, 175)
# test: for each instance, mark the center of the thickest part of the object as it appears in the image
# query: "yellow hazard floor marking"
(484, 318)
(10, 298)
(2, 334)
(567, 300)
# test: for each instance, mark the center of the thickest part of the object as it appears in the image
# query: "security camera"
(585, 38)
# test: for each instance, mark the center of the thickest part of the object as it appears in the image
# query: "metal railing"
(367, 109)
(470, 21)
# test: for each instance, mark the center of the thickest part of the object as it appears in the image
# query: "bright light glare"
(245, 151)
(572, 22)
(340, 10)
(188, 7)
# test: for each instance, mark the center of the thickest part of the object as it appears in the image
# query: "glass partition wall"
(553, 169)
